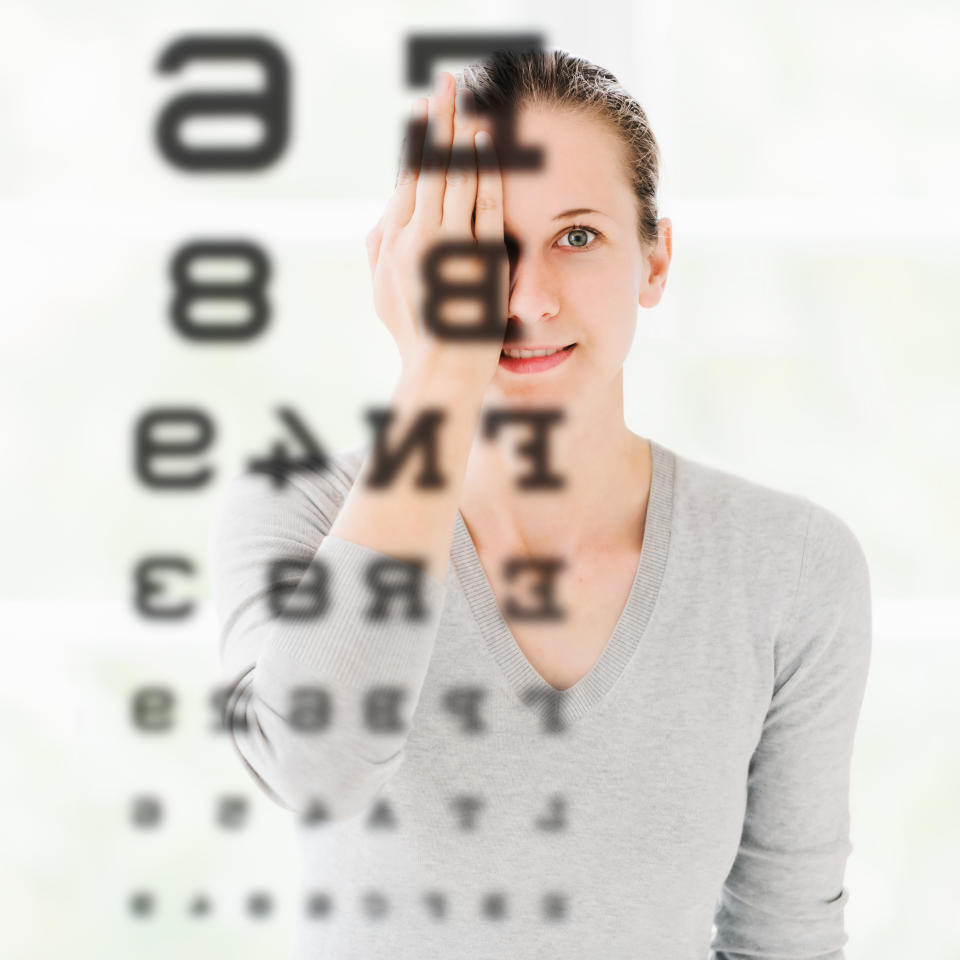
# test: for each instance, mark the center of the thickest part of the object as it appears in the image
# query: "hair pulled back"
(513, 79)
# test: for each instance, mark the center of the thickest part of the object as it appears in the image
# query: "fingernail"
(439, 84)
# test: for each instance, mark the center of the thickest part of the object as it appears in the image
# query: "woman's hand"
(433, 205)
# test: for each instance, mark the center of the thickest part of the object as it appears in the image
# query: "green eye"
(579, 233)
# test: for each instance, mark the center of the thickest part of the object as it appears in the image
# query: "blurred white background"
(808, 340)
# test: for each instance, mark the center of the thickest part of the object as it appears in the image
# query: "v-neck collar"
(529, 686)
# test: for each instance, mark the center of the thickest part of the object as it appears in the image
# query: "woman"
(610, 717)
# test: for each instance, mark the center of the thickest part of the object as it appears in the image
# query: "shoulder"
(793, 563)
(787, 542)
(709, 496)
(829, 626)
(708, 492)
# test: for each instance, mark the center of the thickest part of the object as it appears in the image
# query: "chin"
(532, 391)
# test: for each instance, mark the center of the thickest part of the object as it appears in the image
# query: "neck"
(605, 471)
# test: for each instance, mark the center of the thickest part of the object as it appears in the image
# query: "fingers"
(489, 225)
(460, 193)
(436, 151)
(401, 206)
(489, 220)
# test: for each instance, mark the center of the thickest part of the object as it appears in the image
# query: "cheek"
(606, 303)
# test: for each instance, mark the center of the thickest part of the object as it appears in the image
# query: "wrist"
(448, 375)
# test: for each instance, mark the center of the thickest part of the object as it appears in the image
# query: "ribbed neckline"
(530, 687)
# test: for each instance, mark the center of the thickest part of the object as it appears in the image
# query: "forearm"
(401, 519)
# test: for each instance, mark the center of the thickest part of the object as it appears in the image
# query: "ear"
(657, 264)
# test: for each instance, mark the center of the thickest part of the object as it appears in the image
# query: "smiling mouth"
(525, 353)
(533, 360)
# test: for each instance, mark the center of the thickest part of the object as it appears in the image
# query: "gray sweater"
(689, 795)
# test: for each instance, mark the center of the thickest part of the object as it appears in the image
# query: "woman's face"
(575, 277)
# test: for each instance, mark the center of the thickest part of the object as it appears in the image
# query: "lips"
(535, 347)
(535, 364)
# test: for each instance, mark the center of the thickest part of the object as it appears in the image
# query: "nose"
(533, 290)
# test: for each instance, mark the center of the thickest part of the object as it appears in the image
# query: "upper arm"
(785, 894)
(306, 629)
(257, 524)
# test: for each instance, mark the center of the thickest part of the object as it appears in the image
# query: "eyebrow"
(577, 210)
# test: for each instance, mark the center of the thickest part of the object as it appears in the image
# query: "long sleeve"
(784, 896)
(319, 704)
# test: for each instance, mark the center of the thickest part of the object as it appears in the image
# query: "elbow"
(321, 778)
(329, 783)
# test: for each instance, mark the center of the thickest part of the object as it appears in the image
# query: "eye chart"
(181, 789)
(155, 709)
(187, 302)
(310, 709)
